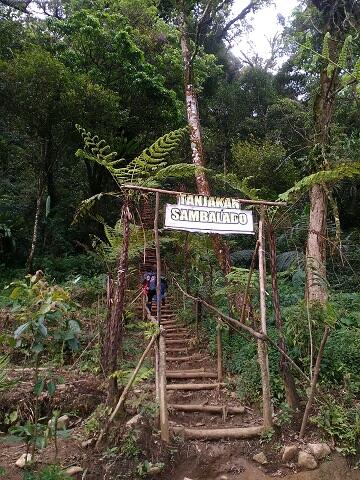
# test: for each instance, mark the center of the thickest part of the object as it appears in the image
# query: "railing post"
(219, 351)
(164, 420)
(262, 346)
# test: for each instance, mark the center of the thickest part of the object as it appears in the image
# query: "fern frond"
(336, 174)
(179, 170)
(86, 205)
(146, 165)
(240, 185)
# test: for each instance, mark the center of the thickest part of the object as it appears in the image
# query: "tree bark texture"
(316, 287)
(316, 247)
(291, 394)
(114, 328)
(220, 247)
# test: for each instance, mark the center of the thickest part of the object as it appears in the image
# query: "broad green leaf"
(20, 330)
(74, 326)
(39, 386)
(51, 387)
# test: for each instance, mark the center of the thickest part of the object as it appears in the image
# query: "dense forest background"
(116, 69)
(74, 72)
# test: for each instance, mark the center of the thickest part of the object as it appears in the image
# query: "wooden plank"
(185, 375)
(206, 408)
(219, 433)
(194, 386)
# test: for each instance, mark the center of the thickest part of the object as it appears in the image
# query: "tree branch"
(244, 12)
(21, 6)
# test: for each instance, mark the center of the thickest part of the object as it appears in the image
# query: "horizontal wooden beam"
(219, 433)
(206, 408)
(245, 201)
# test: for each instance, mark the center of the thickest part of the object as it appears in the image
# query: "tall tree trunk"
(316, 247)
(220, 247)
(316, 282)
(35, 235)
(291, 394)
(112, 343)
(316, 286)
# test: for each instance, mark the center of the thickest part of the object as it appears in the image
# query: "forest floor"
(134, 451)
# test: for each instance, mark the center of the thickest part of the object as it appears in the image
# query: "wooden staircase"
(199, 404)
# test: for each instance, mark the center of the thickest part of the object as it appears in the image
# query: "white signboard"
(197, 213)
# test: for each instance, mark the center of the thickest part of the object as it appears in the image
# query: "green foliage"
(339, 172)
(145, 467)
(340, 423)
(94, 422)
(143, 167)
(50, 472)
(123, 376)
(129, 445)
(43, 312)
(265, 162)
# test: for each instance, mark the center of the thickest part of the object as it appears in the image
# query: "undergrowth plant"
(43, 311)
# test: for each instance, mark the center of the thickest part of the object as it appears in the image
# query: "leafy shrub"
(341, 423)
(62, 268)
(51, 472)
(129, 445)
(341, 361)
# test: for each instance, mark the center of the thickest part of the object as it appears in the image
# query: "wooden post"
(219, 351)
(262, 346)
(197, 313)
(158, 304)
(291, 394)
(164, 420)
(160, 360)
(125, 392)
(158, 259)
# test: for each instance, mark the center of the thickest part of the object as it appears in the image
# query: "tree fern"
(340, 172)
(143, 167)
(86, 205)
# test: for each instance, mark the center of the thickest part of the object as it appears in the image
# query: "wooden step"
(202, 369)
(174, 335)
(184, 349)
(194, 386)
(188, 358)
(219, 433)
(174, 341)
(176, 329)
(184, 375)
(222, 409)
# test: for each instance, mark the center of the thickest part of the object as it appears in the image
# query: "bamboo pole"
(219, 352)
(164, 420)
(262, 346)
(125, 391)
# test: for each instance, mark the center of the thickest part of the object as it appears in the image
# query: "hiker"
(163, 290)
(149, 287)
